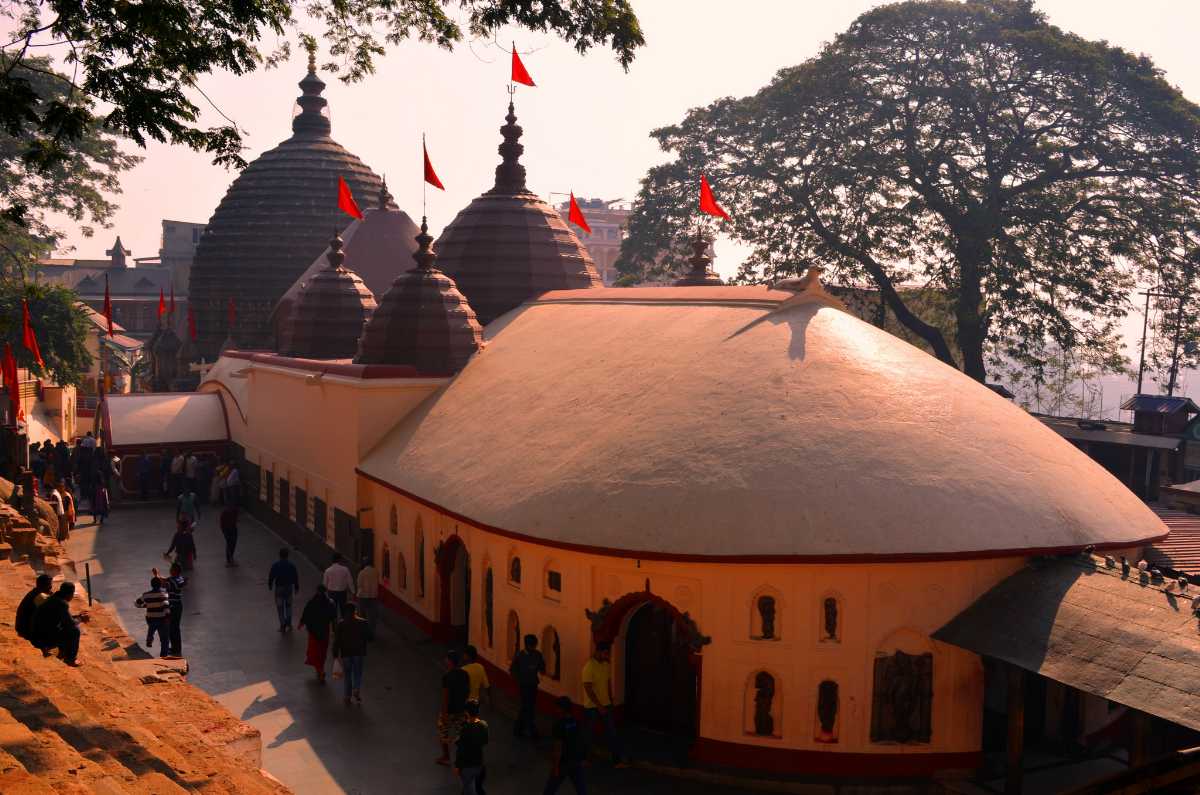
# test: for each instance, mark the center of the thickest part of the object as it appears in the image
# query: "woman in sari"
(318, 618)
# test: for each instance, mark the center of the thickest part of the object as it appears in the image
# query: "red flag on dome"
(346, 201)
(519, 73)
(430, 175)
(162, 303)
(231, 313)
(107, 311)
(575, 215)
(191, 324)
(708, 203)
(27, 333)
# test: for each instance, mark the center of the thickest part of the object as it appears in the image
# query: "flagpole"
(424, 183)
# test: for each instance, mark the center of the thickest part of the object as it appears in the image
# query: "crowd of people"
(70, 478)
(341, 622)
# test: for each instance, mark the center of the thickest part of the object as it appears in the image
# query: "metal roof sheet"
(1084, 625)
(1069, 430)
(1163, 404)
(1179, 551)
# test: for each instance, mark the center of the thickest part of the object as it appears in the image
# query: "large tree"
(77, 185)
(60, 323)
(966, 147)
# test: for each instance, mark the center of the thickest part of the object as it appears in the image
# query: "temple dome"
(508, 245)
(328, 315)
(380, 247)
(422, 320)
(273, 221)
(743, 423)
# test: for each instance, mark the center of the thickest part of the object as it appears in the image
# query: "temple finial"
(510, 174)
(385, 198)
(336, 257)
(424, 255)
(312, 118)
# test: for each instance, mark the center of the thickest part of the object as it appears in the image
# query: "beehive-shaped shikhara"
(328, 316)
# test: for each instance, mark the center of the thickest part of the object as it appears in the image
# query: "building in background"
(177, 249)
(134, 288)
(609, 219)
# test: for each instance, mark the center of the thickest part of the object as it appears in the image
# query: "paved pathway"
(311, 740)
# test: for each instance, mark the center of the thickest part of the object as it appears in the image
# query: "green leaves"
(968, 148)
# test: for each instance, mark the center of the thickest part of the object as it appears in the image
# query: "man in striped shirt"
(158, 615)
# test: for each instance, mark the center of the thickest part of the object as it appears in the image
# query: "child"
(158, 613)
(100, 503)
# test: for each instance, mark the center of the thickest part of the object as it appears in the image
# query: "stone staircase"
(118, 724)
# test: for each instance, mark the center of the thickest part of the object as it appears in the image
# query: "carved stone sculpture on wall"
(903, 698)
(766, 613)
(488, 604)
(764, 699)
(831, 619)
(827, 712)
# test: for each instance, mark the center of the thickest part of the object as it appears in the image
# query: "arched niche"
(552, 653)
(830, 617)
(401, 572)
(828, 716)
(394, 521)
(489, 604)
(419, 556)
(552, 581)
(764, 704)
(902, 689)
(512, 636)
(513, 569)
(385, 573)
(766, 614)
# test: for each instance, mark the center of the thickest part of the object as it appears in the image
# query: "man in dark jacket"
(54, 626)
(526, 666)
(29, 604)
(350, 646)
(284, 580)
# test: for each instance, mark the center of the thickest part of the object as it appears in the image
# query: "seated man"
(30, 603)
(55, 627)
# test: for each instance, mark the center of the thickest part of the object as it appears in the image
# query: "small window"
(552, 653)
(554, 581)
(827, 712)
(514, 570)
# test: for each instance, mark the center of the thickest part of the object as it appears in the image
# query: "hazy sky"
(586, 124)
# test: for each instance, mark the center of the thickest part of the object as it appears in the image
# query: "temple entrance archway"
(660, 676)
(454, 591)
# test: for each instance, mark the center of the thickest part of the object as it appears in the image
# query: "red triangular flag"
(162, 303)
(430, 175)
(575, 215)
(519, 73)
(231, 314)
(708, 203)
(346, 201)
(191, 324)
(172, 310)
(27, 332)
(107, 312)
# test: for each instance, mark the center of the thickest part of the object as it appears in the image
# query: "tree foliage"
(142, 59)
(79, 184)
(969, 148)
(60, 323)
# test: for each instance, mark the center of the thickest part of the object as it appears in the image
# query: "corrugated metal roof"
(1084, 625)
(1159, 403)
(1069, 429)
(1179, 551)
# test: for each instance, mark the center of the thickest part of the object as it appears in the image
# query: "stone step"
(6, 551)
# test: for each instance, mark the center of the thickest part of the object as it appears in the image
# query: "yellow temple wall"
(882, 607)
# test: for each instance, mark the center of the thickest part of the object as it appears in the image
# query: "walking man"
(598, 700)
(187, 508)
(175, 585)
(177, 467)
(368, 593)
(468, 759)
(566, 761)
(526, 666)
(284, 580)
(229, 529)
(476, 674)
(157, 604)
(55, 628)
(339, 582)
(350, 646)
(455, 687)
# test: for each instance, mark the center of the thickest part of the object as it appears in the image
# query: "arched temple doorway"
(454, 577)
(657, 663)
